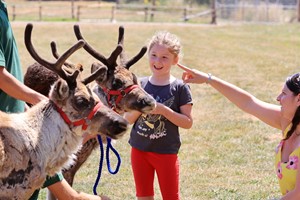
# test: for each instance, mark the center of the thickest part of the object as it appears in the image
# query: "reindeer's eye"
(117, 84)
(81, 103)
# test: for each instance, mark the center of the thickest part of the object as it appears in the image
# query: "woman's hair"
(293, 84)
(167, 39)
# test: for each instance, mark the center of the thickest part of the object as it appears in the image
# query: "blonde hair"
(167, 39)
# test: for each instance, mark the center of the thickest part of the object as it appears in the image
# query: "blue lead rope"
(108, 147)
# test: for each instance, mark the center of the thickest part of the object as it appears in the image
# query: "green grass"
(227, 154)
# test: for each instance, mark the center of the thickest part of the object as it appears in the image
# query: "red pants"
(166, 166)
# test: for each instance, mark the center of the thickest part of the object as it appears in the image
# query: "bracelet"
(209, 78)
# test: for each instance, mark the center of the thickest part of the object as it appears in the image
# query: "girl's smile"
(157, 68)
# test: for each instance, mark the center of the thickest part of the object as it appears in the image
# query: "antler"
(57, 66)
(121, 42)
(56, 55)
(119, 51)
(110, 62)
(87, 80)
(123, 59)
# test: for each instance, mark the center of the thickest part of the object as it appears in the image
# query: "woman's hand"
(193, 75)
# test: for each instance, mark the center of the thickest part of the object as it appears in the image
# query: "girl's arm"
(183, 119)
(266, 112)
(132, 116)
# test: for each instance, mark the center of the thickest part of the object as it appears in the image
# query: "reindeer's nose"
(121, 124)
(146, 104)
(118, 127)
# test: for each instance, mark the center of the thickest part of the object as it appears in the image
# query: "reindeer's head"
(77, 104)
(119, 84)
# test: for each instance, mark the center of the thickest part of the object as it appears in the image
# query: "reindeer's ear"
(59, 91)
(135, 80)
(103, 75)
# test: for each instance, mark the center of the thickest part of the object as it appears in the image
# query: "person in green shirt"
(14, 94)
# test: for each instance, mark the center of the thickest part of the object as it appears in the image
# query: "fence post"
(243, 11)
(78, 12)
(72, 9)
(152, 10)
(14, 13)
(267, 10)
(146, 14)
(113, 13)
(185, 14)
(298, 10)
(213, 12)
(40, 13)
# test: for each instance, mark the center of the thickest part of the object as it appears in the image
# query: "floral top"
(286, 171)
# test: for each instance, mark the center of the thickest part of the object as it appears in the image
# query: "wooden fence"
(265, 12)
(110, 13)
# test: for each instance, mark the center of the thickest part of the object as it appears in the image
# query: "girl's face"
(161, 60)
(289, 102)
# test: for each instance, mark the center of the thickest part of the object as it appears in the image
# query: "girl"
(155, 137)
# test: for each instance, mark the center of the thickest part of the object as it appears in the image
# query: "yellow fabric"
(286, 172)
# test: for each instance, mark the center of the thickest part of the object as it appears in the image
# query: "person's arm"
(63, 191)
(183, 119)
(132, 116)
(295, 193)
(268, 113)
(14, 88)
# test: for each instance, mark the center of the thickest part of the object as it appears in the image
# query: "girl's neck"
(161, 80)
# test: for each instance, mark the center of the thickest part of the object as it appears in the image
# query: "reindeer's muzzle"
(117, 128)
(140, 100)
(146, 104)
(112, 124)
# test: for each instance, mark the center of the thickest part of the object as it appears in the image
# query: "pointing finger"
(185, 68)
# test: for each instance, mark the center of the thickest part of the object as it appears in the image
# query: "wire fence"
(258, 11)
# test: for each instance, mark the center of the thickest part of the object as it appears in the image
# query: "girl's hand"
(158, 109)
(193, 75)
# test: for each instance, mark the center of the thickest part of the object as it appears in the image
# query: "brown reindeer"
(118, 88)
(117, 80)
(42, 140)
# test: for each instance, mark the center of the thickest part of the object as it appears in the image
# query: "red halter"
(119, 93)
(84, 122)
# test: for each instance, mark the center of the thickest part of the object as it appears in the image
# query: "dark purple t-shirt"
(154, 133)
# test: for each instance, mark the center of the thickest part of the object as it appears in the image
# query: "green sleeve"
(49, 181)
(53, 179)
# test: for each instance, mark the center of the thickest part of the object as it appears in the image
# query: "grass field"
(227, 154)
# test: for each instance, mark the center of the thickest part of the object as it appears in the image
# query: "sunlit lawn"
(227, 154)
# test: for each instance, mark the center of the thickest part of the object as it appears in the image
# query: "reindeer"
(114, 74)
(118, 88)
(42, 140)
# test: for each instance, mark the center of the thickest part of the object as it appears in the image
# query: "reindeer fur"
(39, 142)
